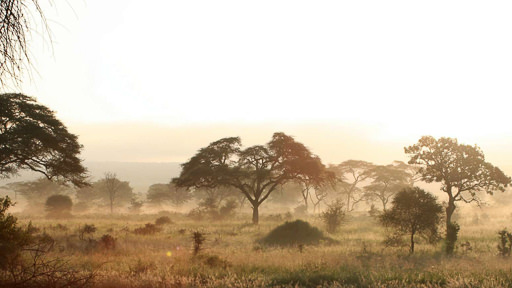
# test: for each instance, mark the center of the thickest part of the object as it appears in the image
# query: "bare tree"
(112, 185)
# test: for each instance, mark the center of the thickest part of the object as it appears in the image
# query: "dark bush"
(164, 220)
(58, 206)
(198, 238)
(86, 230)
(107, 242)
(294, 233)
(505, 245)
(148, 229)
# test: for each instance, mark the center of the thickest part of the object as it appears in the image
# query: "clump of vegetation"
(414, 211)
(24, 260)
(294, 233)
(86, 230)
(58, 206)
(148, 229)
(58, 227)
(198, 238)
(333, 217)
(505, 245)
(452, 230)
(164, 220)
(107, 242)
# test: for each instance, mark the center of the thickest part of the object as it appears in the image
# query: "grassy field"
(232, 257)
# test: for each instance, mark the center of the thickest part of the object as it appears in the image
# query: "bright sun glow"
(404, 68)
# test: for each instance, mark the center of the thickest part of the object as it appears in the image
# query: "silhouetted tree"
(255, 171)
(168, 194)
(32, 138)
(386, 182)
(115, 189)
(350, 174)
(461, 169)
(414, 211)
(58, 206)
(36, 192)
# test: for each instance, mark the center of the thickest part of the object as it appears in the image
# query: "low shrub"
(164, 220)
(148, 229)
(107, 242)
(294, 233)
(334, 215)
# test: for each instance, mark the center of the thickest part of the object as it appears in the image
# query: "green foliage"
(414, 211)
(294, 233)
(59, 206)
(452, 230)
(505, 245)
(334, 215)
(32, 138)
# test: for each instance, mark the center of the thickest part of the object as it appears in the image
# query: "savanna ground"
(232, 257)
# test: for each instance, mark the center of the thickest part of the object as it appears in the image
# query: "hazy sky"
(334, 73)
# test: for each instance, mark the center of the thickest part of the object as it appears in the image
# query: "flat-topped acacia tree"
(32, 138)
(461, 169)
(255, 171)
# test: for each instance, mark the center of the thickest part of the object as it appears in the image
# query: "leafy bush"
(86, 230)
(163, 221)
(294, 233)
(505, 245)
(148, 229)
(58, 206)
(24, 258)
(107, 242)
(333, 216)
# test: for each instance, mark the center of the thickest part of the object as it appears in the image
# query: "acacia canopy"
(461, 170)
(255, 171)
(32, 138)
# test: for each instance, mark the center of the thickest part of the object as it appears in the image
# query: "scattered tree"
(159, 194)
(32, 138)
(115, 190)
(36, 192)
(350, 174)
(255, 171)
(461, 169)
(386, 182)
(414, 211)
(59, 206)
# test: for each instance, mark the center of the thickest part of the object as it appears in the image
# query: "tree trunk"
(412, 242)
(111, 207)
(449, 211)
(255, 214)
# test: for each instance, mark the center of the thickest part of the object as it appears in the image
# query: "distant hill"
(140, 174)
